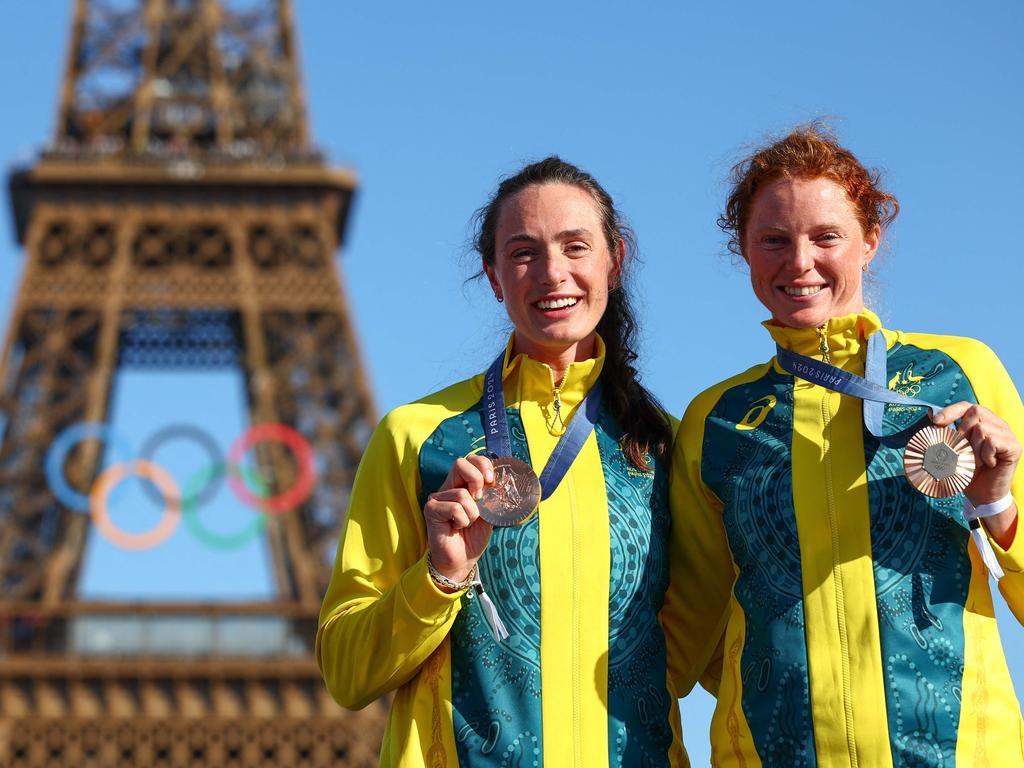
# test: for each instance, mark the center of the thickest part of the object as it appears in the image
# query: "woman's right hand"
(456, 534)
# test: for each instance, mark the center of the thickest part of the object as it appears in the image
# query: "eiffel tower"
(179, 218)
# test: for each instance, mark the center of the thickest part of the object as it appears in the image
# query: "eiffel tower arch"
(178, 218)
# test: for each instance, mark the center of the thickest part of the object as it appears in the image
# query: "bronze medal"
(939, 462)
(513, 497)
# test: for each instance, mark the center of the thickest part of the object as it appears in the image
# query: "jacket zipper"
(837, 573)
(557, 424)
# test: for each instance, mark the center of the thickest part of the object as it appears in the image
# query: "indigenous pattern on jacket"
(583, 678)
(858, 621)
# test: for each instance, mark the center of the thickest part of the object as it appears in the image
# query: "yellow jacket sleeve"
(995, 390)
(382, 615)
(701, 574)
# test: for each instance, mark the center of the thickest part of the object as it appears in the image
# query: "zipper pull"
(823, 345)
(557, 425)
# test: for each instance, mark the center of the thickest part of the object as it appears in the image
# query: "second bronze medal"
(513, 497)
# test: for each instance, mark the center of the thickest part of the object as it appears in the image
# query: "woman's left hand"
(996, 454)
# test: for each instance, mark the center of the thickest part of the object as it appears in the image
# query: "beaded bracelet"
(443, 581)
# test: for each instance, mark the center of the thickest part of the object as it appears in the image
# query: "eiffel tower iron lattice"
(179, 218)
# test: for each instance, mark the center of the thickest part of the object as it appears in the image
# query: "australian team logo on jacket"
(913, 380)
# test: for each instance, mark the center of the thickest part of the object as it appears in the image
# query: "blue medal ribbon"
(870, 388)
(499, 443)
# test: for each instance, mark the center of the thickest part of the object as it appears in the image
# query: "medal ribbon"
(872, 390)
(499, 442)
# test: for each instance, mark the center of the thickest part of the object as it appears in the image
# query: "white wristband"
(987, 510)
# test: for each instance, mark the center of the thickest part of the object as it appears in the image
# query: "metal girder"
(172, 77)
(179, 219)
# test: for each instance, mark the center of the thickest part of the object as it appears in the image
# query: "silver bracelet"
(443, 581)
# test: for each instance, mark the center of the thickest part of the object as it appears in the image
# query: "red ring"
(300, 448)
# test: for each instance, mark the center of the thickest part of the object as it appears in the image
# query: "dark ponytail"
(636, 410)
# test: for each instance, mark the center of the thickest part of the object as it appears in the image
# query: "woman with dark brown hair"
(839, 536)
(531, 643)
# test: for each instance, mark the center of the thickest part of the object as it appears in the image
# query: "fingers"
(951, 413)
(454, 508)
(993, 442)
(456, 533)
(452, 514)
(991, 438)
(472, 472)
(980, 437)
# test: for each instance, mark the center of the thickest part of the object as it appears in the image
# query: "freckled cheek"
(759, 281)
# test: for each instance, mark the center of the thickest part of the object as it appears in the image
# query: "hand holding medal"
(456, 533)
(997, 453)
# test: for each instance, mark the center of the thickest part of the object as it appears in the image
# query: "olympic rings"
(219, 540)
(303, 453)
(205, 441)
(161, 479)
(247, 484)
(58, 453)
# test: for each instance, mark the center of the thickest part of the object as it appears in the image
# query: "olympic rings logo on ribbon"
(246, 483)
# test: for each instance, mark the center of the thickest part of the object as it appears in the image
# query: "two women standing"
(846, 615)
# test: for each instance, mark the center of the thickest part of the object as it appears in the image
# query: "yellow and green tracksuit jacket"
(582, 680)
(858, 622)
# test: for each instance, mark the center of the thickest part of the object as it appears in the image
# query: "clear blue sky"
(430, 103)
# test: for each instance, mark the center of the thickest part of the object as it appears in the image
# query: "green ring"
(208, 537)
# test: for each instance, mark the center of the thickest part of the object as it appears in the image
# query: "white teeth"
(807, 290)
(556, 303)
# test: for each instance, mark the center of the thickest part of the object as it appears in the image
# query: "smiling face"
(807, 251)
(552, 266)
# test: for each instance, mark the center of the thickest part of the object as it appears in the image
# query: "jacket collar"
(527, 379)
(845, 336)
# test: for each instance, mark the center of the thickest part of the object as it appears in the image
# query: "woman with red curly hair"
(840, 532)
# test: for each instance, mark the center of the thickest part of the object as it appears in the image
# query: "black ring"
(188, 432)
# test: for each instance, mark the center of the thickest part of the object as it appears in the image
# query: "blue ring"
(61, 447)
